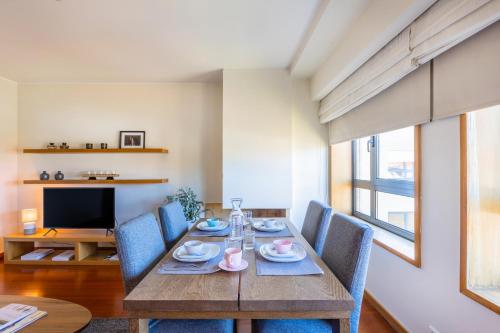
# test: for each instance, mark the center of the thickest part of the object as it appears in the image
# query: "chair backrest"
(173, 223)
(347, 253)
(140, 246)
(316, 224)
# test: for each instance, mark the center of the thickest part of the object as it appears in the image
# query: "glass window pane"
(396, 154)
(362, 200)
(397, 210)
(362, 156)
(483, 220)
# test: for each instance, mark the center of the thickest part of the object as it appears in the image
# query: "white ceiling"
(333, 20)
(166, 40)
(147, 40)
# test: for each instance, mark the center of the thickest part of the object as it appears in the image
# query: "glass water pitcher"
(236, 218)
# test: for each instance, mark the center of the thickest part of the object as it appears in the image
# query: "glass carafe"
(236, 218)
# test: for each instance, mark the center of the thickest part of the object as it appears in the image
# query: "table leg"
(138, 325)
(243, 325)
(345, 325)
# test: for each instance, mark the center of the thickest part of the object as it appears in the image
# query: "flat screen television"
(79, 208)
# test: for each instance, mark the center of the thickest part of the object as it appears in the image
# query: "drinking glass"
(248, 239)
(232, 242)
(248, 217)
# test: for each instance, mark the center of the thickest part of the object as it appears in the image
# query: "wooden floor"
(100, 289)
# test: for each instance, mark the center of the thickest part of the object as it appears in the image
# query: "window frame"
(392, 186)
(464, 183)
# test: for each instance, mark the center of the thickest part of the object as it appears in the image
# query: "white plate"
(212, 250)
(203, 226)
(244, 265)
(278, 226)
(299, 253)
(271, 250)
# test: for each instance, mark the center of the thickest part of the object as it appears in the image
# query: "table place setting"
(269, 227)
(212, 227)
(284, 257)
(194, 257)
(197, 257)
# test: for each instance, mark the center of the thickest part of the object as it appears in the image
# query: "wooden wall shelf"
(103, 181)
(94, 151)
(87, 251)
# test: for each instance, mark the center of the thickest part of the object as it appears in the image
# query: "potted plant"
(190, 203)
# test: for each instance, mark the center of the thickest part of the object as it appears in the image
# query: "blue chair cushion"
(173, 223)
(295, 326)
(316, 225)
(347, 253)
(140, 246)
(191, 326)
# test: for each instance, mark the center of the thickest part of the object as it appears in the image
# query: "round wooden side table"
(62, 316)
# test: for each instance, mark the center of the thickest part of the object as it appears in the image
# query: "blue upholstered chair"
(316, 224)
(173, 223)
(346, 252)
(140, 246)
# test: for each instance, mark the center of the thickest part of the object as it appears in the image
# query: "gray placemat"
(195, 232)
(307, 266)
(175, 267)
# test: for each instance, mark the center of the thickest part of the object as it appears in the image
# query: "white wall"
(186, 118)
(275, 151)
(430, 295)
(257, 138)
(309, 153)
(8, 158)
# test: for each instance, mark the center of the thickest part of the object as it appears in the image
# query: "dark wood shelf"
(96, 151)
(99, 181)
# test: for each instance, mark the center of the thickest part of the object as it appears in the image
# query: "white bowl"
(194, 247)
(269, 223)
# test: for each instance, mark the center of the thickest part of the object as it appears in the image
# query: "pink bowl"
(283, 245)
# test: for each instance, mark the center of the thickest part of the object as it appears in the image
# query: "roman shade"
(467, 77)
(404, 104)
(444, 25)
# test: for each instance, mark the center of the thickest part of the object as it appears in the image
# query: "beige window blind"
(446, 24)
(467, 77)
(404, 104)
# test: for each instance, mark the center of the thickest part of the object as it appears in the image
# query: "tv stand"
(54, 229)
(85, 245)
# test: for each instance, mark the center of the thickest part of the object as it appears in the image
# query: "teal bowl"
(212, 222)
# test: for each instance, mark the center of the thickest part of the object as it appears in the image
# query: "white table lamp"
(29, 217)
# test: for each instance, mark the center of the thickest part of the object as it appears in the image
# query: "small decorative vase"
(89, 145)
(44, 176)
(59, 175)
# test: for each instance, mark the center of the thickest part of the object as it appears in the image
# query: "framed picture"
(133, 139)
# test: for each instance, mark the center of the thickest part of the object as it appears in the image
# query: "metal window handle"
(370, 143)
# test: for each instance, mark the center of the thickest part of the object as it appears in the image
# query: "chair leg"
(243, 325)
(345, 325)
(138, 325)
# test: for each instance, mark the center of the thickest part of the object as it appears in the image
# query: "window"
(480, 207)
(385, 183)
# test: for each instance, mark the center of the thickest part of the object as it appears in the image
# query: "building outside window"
(384, 180)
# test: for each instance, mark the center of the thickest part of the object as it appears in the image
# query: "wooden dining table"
(239, 295)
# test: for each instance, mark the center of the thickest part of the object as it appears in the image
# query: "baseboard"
(393, 322)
